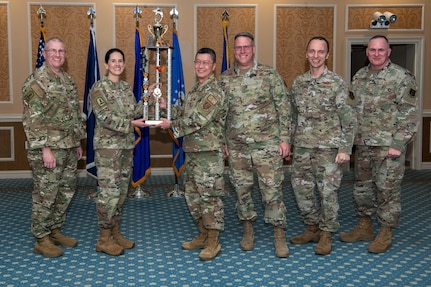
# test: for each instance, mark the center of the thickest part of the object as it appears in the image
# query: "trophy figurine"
(157, 29)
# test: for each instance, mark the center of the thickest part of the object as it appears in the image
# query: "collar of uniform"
(309, 78)
(47, 69)
(113, 85)
(199, 86)
(250, 72)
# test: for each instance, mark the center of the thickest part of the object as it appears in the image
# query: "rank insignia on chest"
(351, 96)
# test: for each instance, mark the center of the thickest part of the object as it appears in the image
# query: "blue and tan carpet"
(159, 224)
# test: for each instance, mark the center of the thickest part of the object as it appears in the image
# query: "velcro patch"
(206, 105)
(212, 100)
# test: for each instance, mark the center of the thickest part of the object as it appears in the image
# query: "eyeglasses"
(205, 63)
(379, 51)
(240, 48)
(54, 51)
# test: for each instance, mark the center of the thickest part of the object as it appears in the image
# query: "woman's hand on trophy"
(165, 124)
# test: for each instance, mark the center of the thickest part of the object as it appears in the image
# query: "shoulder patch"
(28, 96)
(412, 93)
(37, 89)
(100, 102)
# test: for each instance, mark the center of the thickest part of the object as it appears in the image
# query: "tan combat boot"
(45, 247)
(382, 242)
(281, 249)
(311, 233)
(212, 247)
(199, 241)
(120, 239)
(59, 238)
(107, 244)
(247, 242)
(363, 231)
(325, 243)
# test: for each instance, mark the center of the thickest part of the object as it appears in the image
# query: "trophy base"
(153, 122)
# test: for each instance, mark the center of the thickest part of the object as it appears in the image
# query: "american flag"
(41, 46)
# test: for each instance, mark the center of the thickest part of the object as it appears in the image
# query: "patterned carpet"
(159, 224)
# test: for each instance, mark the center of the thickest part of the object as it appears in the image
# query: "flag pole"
(139, 192)
(91, 76)
(176, 192)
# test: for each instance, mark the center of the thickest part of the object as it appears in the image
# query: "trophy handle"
(150, 29)
(165, 29)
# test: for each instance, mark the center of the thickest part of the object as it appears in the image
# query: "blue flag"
(141, 157)
(225, 65)
(92, 75)
(178, 96)
(40, 47)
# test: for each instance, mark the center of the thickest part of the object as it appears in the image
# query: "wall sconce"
(382, 21)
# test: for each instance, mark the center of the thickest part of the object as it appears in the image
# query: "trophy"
(156, 44)
(157, 30)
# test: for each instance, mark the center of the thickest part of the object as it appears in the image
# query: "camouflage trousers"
(204, 187)
(114, 169)
(53, 189)
(377, 187)
(314, 171)
(244, 161)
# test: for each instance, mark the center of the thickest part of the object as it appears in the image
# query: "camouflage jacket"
(386, 104)
(114, 106)
(259, 107)
(202, 118)
(51, 116)
(322, 112)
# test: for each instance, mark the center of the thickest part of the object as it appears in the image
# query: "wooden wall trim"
(410, 17)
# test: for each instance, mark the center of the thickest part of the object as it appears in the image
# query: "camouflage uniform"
(114, 107)
(51, 118)
(258, 120)
(387, 117)
(323, 126)
(201, 122)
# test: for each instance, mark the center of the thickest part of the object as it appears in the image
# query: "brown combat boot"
(281, 249)
(212, 247)
(107, 244)
(247, 242)
(382, 242)
(120, 239)
(325, 243)
(363, 231)
(199, 241)
(47, 248)
(311, 233)
(59, 238)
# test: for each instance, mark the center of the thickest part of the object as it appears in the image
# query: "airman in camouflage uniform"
(115, 110)
(201, 124)
(257, 135)
(53, 125)
(386, 105)
(324, 126)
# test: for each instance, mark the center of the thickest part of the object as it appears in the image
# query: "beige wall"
(21, 56)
